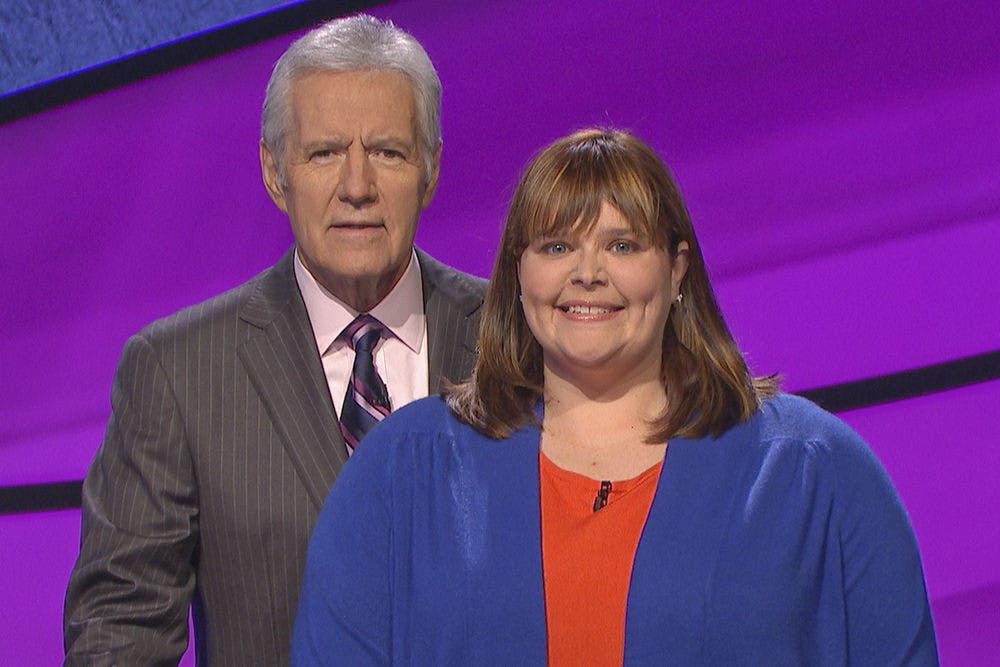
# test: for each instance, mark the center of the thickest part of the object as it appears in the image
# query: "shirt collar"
(401, 311)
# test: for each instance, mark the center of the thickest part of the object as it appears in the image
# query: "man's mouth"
(356, 225)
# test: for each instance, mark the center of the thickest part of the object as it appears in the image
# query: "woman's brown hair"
(708, 385)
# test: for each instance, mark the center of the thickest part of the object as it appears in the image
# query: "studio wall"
(839, 161)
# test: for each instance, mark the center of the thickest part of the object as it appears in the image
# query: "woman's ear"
(679, 267)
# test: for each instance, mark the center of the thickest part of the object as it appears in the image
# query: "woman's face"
(599, 300)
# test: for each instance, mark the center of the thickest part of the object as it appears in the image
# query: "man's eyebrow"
(389, 139)
(326, 142)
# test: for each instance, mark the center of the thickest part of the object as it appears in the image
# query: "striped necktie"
(367, 400)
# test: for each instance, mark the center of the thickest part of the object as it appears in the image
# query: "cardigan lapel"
(677, 554)
(280, 356)
(513, 595)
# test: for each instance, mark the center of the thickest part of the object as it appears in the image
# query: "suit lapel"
(451, 302)
(280, 356)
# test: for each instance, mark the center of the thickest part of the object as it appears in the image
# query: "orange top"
(587, 560)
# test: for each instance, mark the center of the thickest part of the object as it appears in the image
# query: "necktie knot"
(363, 333)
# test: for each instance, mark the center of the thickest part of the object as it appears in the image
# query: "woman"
(611, 486)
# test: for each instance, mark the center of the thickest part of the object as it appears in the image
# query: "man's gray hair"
(351, 44)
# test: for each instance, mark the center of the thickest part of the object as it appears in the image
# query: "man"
(224, 438)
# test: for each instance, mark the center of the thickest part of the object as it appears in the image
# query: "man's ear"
(432, 179)
(269, 174)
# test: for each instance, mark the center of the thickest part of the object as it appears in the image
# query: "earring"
(679, 298)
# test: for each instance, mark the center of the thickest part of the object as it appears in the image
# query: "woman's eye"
(622, 246)
(554, 248)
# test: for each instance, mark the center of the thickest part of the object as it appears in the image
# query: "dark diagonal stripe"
(835, 398)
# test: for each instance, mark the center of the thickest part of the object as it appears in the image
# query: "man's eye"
(389, 154)
(321, 154)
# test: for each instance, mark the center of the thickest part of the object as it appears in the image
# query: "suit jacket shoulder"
(259, 299)
(221, 446)
(452, 301)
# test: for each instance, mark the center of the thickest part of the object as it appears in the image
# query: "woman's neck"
(602, 432)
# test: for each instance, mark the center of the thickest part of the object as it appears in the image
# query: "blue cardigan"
(782, 542)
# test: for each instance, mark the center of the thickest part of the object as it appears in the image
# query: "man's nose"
(357, 178)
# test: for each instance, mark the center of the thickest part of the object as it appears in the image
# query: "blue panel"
(43, 40)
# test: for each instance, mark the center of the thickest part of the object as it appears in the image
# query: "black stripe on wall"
(835, 398)
(163, 58)
(906, 384)
(40, 497)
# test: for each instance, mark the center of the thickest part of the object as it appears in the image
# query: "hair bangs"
(578, 180)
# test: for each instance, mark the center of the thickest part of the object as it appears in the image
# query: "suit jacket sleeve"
(130, 589)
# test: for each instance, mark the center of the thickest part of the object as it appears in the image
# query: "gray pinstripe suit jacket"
(221, 447)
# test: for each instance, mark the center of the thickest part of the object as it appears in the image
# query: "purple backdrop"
(840, 163)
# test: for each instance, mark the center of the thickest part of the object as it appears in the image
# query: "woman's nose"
(589, 268)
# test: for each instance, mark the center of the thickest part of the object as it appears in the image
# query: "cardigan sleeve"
(344, 612)
(887, 612)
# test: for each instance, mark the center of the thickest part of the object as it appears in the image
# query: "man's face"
(352, 180)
